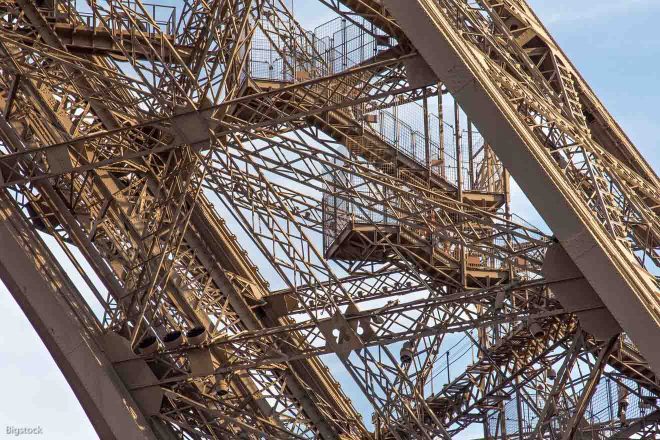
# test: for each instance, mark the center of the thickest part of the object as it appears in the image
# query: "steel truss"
(136, 137)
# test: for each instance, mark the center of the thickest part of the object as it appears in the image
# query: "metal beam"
(68, 329)
(629, 291)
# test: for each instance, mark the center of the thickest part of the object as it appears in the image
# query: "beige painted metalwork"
(276, 227)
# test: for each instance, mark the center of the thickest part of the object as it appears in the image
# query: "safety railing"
(480, 169)
(281, 52)
(354, 202)
(117, 16)
(287, 54)
(611, 407)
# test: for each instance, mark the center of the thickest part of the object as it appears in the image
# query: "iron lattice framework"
(365, 166)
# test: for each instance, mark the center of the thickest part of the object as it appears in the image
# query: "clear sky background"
(615, 45)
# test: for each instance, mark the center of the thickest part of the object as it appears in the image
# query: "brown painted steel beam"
(68, 329)
(629, 292)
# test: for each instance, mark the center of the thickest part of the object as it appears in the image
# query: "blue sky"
(615, 45)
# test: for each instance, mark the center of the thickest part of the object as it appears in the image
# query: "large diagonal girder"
(553, 157)
(59, 314)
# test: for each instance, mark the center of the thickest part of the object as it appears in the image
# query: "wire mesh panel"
(149, 19)
(280, 52)
(354, 201)
(611, 407)
(403, 128)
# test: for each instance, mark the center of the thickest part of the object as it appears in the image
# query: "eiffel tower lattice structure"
(224, 225)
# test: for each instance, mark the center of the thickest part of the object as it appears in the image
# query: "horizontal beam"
(376, 327)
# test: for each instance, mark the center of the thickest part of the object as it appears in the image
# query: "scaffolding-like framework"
(211, 215)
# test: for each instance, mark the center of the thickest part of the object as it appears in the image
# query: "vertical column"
(470, 154)
(427, 139)
(459, 183)
(441, 133)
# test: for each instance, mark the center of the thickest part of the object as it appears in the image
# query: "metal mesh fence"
(358, 207)
(151, 19)
(403, 128)
(288, 54)
(604, 415)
